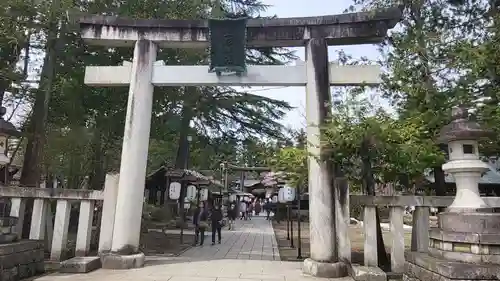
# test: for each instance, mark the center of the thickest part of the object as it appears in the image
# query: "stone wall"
(21, 260)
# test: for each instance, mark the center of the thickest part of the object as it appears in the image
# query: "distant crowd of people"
(244, 210)
(204, 218)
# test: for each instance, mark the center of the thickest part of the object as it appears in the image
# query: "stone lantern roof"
(6, 127)
(461, 127)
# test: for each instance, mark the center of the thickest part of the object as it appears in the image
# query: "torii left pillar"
(127, 226)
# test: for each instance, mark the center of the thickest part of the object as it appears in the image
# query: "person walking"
(216, 220)
(243, 210)
(200, 218)
(231, 215)
(249, 210)
(257, 207)
(267, 208)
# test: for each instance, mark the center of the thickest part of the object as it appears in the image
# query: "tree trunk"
(439, 178)
(97, 171)
(369, 187)
(439, 182)
(181, 161)
(31, 171)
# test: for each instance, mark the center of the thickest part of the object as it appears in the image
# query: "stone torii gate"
(327, 206)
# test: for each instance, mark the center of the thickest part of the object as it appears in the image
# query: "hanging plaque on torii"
(228, 39)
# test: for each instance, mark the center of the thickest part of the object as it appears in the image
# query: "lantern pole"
(290, 218)
(287, 222)
(299, 242)
(182, 198)
(184, 187)
(198, 189)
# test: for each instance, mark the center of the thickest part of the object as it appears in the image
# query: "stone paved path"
(250, 240)
(249, 253)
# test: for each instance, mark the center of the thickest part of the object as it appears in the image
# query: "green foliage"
(85, 125)
(292, 161)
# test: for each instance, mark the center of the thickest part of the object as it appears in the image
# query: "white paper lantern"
(191, 192)
(174, 190)
(204, 194)
(281, 195)
(187, 203)
(288, 193)
(275, 199)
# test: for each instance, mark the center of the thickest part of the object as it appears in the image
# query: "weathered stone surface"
(453, 269)
(324, 270)
(492, 239)
(115, 261)
(417, 201)
(353, 28)
(8, 221)
(8, 238)
(484, 223)
(464, 257)
(21, 259)
(80, 265)
(416, 273)
(367, 273)
(453, 236)
(406, 277)
(51, 193)
(52, 265)
(10, 274)
(5, 229)
(27, 270)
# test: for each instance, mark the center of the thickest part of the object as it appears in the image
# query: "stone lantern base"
(465, 246)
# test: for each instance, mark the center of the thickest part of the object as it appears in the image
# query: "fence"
(420, 225)
(57, 229)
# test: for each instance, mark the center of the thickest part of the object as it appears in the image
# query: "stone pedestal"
(20, 260)
(7, 231)
(465, 246)
(324, 269)
(117, 261)
(80, 265)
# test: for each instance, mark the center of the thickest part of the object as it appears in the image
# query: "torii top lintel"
(343, 29)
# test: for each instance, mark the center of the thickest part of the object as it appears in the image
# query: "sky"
(295, 96)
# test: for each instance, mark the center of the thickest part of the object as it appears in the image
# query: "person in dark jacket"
(257, 207)
(216, 220)
(200, 218)
(232, 213)
(267, 209)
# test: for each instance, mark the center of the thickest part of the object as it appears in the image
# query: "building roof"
(248, 183)
(185, 174)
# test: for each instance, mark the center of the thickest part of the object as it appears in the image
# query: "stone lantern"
(7, 223)
(466, 243)
(461, 136)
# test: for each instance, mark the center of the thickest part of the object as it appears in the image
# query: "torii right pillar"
(328, 219)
